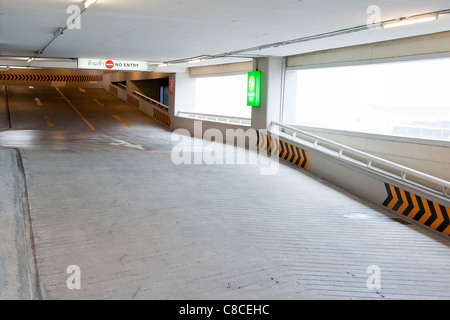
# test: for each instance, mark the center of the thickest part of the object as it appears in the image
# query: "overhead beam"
(41, 63)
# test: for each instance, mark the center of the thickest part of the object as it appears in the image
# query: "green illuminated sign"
(254, 89)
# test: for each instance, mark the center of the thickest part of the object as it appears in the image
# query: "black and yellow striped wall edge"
(424, 211)
(284, 150)
(49, 78)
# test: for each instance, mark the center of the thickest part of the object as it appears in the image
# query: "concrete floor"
(140, 227)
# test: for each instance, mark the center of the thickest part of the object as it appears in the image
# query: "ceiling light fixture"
(88, 3)
(409, 20)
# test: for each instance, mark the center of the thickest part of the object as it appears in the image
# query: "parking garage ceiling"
(158, 31)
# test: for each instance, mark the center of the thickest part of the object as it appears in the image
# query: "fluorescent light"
(161, 65)
(409, 20)
(88, 3)
(195, 60)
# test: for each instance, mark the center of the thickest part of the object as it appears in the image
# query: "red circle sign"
(109, 64)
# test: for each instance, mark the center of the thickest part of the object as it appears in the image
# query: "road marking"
(49, 122)
(121, 121)
(76, 110)
(38, 102)
(127, 144)
(98, 102)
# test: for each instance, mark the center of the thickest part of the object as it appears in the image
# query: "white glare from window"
(404, 99)
(224, 96)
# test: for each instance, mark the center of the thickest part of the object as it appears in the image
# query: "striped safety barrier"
(49, 78)
(162, 117)
(284, 150)
(424, 211)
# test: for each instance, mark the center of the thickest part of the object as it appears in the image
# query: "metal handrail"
(370, 159)
(121, 85)
(159, 104)
(214, 117)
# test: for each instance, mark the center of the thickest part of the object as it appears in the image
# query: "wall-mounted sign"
(114, 65)
(172, 86)
(254, 89)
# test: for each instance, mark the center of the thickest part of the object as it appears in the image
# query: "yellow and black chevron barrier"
(422, 210)
(49, 78)
(284, 150)
(162, 117)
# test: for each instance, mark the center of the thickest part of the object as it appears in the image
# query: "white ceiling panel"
(176, 29)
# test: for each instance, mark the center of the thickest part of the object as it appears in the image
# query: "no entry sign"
(110, 64)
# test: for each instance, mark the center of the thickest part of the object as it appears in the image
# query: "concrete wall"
(418, 47)
(428, 157)
(272, 78)
(4, 117)
(150, 88)
(131, 79)
(223, 69)
(185, 89)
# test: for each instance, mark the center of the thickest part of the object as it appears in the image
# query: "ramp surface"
(113, 203)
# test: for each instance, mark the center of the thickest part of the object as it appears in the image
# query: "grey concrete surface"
(15, 273)
(27, 114)
(68, 130)
(139, 226)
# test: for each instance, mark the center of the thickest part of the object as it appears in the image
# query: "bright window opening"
(224, 96)
(407, 99)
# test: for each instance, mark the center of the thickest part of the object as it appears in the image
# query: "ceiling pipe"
(86, 4)
(242, 53)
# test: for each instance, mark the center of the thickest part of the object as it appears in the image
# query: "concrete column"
(290, 98)
(185, 90)
(272, 78)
